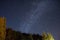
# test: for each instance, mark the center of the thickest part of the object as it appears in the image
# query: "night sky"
(32, 16)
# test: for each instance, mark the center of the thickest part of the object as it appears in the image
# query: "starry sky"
(32, 16)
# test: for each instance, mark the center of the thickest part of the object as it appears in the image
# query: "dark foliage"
(15, 35)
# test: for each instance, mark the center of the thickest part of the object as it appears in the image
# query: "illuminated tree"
(2, 28)
(47, 36)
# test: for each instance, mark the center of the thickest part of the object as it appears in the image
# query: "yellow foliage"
(47, 36)
(2, 28)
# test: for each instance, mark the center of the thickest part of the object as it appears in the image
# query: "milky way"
(33, 16)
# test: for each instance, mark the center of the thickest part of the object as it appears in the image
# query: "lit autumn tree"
(44, 35)
(47, 36)
(2, 28)
(50, 37)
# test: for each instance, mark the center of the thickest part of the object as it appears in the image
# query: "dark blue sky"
(32, 16)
